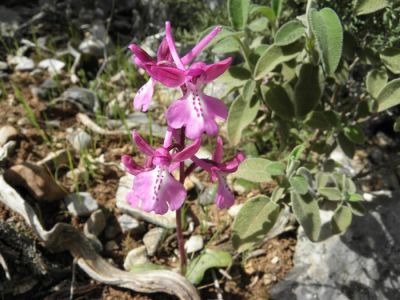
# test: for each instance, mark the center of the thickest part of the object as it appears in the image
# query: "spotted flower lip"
(154, 188)
(218, 170)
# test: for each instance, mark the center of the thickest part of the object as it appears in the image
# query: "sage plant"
(155, 189)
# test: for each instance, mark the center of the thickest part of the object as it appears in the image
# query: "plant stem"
(179, 232)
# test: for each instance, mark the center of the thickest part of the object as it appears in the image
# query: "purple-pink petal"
(143, 146)
(200, 46)
(219, 151)
(188, 152)
(167, 75)
(143, 96)
(130, 165)
(157, 191)
(213, 71)
(172, 46)
(141, 56)
(163, 53)
(224, 197)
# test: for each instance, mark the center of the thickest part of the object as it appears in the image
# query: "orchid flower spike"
(154, 188)
(196, 111)
(218, 171)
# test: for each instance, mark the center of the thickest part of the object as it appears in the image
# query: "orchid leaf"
(207, 260)
(263, 214)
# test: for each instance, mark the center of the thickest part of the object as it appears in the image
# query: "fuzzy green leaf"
(391, 59)
(263, 10)
(299, 184)
(346, 145)
(389, 96)
(355, 198)
(228, 45)
(278, 101)
(364, 7)
(238, 11)
(308, 90)
(289, 33)
(263, 214)
(396, 126)
(259, 169)
(331, 193)
(273, 56)
(277, 6)
(241, 114)
(341, 219)
(207, 260)
(318, 120)
(306, 211)
(354, 134)
(328, 31)
(376, 81)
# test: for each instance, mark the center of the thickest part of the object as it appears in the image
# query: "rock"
(363, 263)
(136, 256)
(194, 244)
(3, 66)
(128, 224)
(153, 239)
(81, 96)
(125, 184)
(7, 133)
(80, 140)
(53, 66)
(234, 210)
(23, 121)
(36, 180)
(22, 63)
(5, 151)
(111, 246)
(207, 197)
(80, 204)
(46, 90)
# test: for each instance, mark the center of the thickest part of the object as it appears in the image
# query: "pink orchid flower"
(154, 188)
(196, 111)
(218, 171)
(163, 69)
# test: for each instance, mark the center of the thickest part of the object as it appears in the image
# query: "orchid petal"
(219, 151)
(143, 146)
(216, 107)
(163, 53)
(157, 190)
(213, 71)
(130, 165)
(224, 197)
(143, 96)
(200, 46)
(169, 76)
(141, 56)
(202, 164)
(233, 164)
(172, 47)
(188, 152)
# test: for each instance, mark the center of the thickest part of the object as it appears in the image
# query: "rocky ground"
(63, 158)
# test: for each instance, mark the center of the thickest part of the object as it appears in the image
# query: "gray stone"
(3, 66)
(194, 243)
(111, 246)
(53, 66)
(81, 96)
(363, 263)
(22, 63)
(95, 224)
(136, 256)
(153, 239)
(46, 90)
(125, 185)
(207, 197)
(128, 224)
(80, 140)
(234, 210)
(7, 133)
(80, 204)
